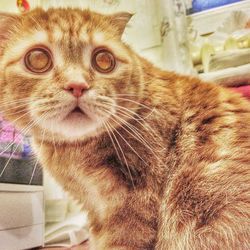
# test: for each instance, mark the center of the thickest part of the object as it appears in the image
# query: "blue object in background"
(200, 5)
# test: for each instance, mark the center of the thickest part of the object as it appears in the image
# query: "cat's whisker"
(34, 170)
(144, 124)
(132, 128)
(15, 100)
(133, 101)
(130, 115)
(56, 110)
(116, 150)
(21, 111)
(122, 152)
(128, 95)
(24, 132)
(129, 145)
(134, 132)
(137, 138)
(36, 164)
(26, 99)
(125, 94)
(10, 157)
(20, 103)
(53, 137)
(14, 108)
(149, 114)
(134, 114)
(18, 118)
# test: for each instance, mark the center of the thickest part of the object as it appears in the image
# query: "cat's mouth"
(76, 113)
(77, 110)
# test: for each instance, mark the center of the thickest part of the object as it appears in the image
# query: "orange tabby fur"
(182, 181)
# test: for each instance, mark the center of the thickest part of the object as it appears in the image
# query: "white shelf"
(6, 187)
(21, 217)
(13, 239)
(230, 76)
(206, 22)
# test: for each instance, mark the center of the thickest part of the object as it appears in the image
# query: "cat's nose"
(77, 88)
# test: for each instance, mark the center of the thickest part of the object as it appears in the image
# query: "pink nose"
(77, 88)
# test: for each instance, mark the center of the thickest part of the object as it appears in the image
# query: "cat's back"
(215, 121)
(208, 200)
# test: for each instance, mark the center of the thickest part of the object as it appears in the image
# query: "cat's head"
(66, 71)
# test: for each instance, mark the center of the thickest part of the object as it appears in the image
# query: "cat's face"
(66, 72)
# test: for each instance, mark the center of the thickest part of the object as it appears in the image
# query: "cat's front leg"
(98, 245)
(104, 243)
(129, 228)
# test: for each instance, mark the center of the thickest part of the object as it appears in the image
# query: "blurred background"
(210, 39)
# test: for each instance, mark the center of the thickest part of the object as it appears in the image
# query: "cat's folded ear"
(6, 23)
(120, 20)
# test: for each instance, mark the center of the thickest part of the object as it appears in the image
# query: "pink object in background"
(244, 90)
(12, 142)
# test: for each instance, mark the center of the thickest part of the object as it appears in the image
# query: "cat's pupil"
(38, 59)
(104, 60)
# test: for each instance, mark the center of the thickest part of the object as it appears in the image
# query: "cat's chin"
(74, 126)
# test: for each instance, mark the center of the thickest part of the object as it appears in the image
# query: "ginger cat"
(159, 160)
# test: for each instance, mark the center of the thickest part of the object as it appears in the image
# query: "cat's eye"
(38, 60)
(103, 60)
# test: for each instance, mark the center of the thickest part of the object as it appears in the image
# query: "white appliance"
(21, 216)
